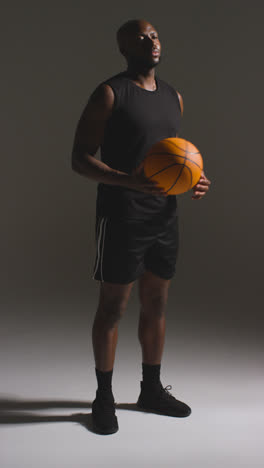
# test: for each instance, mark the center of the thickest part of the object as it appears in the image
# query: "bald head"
(128, 31)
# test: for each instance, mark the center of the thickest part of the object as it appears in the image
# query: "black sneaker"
(159, 400)
(103, 414)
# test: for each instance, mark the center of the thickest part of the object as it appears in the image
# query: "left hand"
(201, 188)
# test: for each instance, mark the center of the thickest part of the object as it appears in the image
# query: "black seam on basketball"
(177, 164)
(174, 164)
(165, 168)
(178, 156)
(187, 143)
(190, 152)
(183, 166)
(190, 174)
(174, 183)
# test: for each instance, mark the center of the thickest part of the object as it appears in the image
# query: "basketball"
(175, 163)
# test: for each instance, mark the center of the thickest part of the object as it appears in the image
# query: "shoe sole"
(155, 411)
(101, 431)
(104, 431)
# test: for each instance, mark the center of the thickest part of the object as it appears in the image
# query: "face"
(143, 47)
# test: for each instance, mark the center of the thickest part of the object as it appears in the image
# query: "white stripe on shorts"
(100, 246)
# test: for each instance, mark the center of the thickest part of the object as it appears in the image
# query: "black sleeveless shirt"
(139, 119)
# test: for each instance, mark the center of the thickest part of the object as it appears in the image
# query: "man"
(136, 221)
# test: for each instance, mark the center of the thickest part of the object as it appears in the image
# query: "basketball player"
(136, 224)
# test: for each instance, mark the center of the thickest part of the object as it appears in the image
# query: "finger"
(199, 183)
(159, 192)
(198, 192)
(204, 178)
(152, 184)
(202, 188)
(203, 183)
(156, 191)
(153, 181)
(153, 188)
(207, 181)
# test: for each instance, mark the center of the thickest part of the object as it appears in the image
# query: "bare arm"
(181, 101)
(181, 106)
(89, 135)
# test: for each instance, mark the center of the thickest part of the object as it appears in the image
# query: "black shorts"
(126, 248)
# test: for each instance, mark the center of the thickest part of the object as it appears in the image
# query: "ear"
(123, 52)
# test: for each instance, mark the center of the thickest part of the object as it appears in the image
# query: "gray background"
(52, 59)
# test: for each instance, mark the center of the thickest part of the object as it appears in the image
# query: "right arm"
(88, 138)
(89, 135)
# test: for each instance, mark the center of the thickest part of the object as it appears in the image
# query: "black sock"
(104, 381)
(151, 373)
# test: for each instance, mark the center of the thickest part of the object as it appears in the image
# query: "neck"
(142, 74)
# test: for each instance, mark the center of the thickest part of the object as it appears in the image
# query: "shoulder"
(113, 88)
(114, 81)
(102, 97)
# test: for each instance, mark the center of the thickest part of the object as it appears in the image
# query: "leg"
(153, 294)
(113, 300)
(151, 331)
(112, 304)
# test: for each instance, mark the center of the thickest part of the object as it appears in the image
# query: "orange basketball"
(175, 163)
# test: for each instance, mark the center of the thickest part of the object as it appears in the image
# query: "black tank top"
(139, 119)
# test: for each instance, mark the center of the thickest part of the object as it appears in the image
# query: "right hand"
(138, 181)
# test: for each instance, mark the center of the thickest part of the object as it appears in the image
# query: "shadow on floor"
(16, 411)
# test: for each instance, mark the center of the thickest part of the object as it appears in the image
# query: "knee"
(154, 305)
(110, 313)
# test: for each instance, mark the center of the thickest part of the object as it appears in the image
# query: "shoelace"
(167, 388)
(165, 392)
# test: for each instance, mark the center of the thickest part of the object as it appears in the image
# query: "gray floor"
(48, 383)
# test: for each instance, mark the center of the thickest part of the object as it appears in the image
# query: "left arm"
(181, 102)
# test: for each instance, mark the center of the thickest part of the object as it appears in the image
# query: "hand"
(201, 188)
(138, 181)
